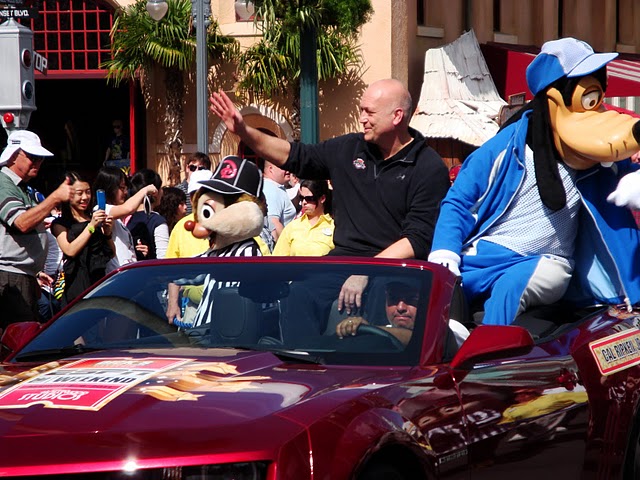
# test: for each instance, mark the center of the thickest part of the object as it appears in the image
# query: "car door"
(432, 405)
(526, 414)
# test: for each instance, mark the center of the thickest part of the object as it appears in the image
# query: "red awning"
(624, 78)
(508, 64)
(621, 110)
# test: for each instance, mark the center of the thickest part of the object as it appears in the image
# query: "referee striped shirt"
(246, 248)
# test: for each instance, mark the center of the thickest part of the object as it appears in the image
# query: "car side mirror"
(490, 341)
(16, 335)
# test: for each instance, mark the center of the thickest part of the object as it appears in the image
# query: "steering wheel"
(381, 332)
(130, 309)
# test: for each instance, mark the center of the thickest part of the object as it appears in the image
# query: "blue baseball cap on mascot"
(567, 57)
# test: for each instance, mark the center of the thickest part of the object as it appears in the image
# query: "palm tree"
(271, 67)
(138, 44)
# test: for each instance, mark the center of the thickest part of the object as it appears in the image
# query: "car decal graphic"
(617, 352)
(87, 384)
(190, 381)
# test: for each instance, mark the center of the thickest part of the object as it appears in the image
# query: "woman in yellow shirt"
(312, 233)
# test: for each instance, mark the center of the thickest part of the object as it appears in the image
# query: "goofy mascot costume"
(534, 215)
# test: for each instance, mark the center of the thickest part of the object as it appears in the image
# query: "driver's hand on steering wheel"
(350, 298)
(349, 326)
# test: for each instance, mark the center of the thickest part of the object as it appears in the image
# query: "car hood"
(103, 409)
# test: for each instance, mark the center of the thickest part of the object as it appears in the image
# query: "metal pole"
(309, 124)
(200, 12)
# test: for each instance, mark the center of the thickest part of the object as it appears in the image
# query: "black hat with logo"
(235, 175)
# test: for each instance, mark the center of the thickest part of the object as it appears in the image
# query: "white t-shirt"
(125, 252)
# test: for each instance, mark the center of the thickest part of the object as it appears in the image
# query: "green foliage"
(344, 15)
(272, 66)
(138, 41)
(347, 15)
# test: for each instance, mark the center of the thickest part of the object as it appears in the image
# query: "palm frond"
(138, 42)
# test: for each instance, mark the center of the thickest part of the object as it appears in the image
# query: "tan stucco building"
(393, 44)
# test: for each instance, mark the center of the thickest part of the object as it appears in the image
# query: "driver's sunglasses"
(308, 199)
(193, 167)
(394, 298)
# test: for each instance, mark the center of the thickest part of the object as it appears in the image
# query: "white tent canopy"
(458, 99)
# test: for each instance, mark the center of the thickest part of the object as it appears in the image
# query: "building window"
(73, 34)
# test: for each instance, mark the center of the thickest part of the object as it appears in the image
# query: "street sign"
(40, 63)
(11, 12)
(18, 9)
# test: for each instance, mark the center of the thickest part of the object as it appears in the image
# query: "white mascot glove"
(449, 259)
(627, 194)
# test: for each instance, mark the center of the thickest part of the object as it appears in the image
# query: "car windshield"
(253, 305)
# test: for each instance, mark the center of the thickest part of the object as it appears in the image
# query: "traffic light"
(17, 85)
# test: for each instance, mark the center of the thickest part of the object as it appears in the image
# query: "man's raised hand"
(222, 106)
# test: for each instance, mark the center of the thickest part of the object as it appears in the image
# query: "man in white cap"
(22, 232)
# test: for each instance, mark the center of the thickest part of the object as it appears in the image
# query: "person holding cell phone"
(85, 238)
(119, 206)
(147, 226)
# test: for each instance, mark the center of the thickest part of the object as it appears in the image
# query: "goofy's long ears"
(545, 155)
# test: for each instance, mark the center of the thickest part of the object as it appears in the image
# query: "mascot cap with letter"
(565, 57)
(234, 176)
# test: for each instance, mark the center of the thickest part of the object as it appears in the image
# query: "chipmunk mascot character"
(230, 211)
(533, 217)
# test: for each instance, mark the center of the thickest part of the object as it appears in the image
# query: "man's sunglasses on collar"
(193, 167)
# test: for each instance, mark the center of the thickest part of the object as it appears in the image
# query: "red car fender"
(363, 437)
(294, 459)
(609, 435)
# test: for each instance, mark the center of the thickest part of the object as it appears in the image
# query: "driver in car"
(401, 304)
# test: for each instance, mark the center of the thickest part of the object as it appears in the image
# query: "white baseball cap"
(26, 141)
(564, 57)
(195, 179)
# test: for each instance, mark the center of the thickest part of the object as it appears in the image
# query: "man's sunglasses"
(33, 158)
(193, 168)
(308, 199)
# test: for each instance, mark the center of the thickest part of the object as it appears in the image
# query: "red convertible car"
(260, 379)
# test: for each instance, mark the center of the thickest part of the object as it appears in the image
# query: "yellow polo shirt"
(299, 238)
(183, 244)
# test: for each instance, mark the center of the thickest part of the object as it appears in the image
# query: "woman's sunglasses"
(193, 168)
(308, 199)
